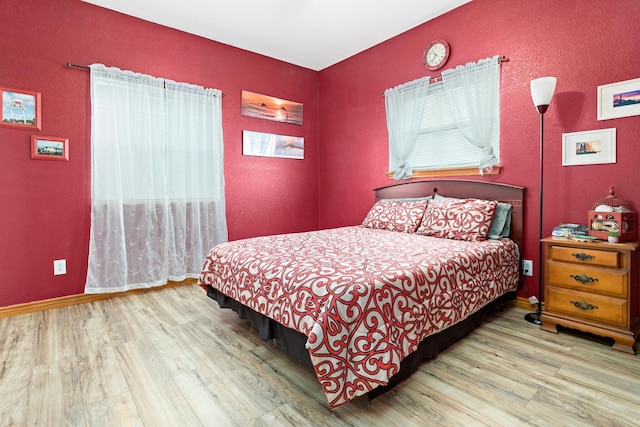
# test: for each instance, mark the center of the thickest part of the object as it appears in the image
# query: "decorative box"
(601, 223)
(612, 213)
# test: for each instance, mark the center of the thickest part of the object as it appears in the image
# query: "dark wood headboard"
(465, 189)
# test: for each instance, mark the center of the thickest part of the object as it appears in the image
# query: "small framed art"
(20, 108)
(620, 99)
(589, 147)
(49, 148)
(272, 145)
(271, 108)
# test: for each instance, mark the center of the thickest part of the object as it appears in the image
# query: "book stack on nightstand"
(568, 230)
(592, 287)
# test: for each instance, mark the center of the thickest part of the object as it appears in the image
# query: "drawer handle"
(583, 257)
(584, 279)
(584, 306)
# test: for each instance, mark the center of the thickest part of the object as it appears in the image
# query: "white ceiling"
(313, 34)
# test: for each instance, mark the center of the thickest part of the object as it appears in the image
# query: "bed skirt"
(293, 342)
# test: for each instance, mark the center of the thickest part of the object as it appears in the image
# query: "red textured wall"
(45, 205)
(584, 43)
(45, 211)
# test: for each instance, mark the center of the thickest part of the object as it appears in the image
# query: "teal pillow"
(407, 199)
(501, 224)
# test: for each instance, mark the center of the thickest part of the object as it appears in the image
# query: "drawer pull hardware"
(583, 305)
(583, 257)
(584, 279)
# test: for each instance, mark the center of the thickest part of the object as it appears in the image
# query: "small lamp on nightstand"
(542, 92)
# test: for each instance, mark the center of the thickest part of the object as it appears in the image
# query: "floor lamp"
(541, 91)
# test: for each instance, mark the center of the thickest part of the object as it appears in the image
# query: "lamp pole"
(542, 92)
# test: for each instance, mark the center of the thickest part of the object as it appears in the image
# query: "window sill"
(430, 173)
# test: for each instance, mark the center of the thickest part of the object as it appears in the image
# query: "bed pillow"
(439, 197)
(459, 219)
(501, 224)
(396, 215)
(407, 199)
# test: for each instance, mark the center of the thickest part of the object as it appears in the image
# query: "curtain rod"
(438, 79)
(82, 67)
(85, 67)
(501, 59)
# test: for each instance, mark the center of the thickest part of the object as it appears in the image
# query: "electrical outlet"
(59, 267)
(527, 267)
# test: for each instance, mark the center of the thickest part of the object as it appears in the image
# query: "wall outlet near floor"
(59, 267)
(527, 267)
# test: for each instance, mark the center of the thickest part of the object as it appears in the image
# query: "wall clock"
(436, 54)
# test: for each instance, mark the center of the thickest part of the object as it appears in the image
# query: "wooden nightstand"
(592, 287)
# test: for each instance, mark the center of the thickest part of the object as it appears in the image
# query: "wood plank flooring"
(174, 358)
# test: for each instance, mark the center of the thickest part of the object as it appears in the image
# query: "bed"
(364, 305)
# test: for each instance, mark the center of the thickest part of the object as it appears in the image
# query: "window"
(157, 184)
(440, 143)
(460, 122)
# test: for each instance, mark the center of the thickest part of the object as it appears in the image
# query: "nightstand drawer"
(585, 256)
(599, 308)
(588, 279)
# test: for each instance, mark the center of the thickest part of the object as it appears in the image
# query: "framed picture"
(20, 108)
(620, 99)
(270, 145)
(270, 108)
(49, 148)
(589, 147)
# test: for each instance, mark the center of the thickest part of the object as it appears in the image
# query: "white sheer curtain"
(156, 178)
(473, 91)
(404, 105)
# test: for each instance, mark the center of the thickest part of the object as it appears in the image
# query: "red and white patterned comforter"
(365, 298)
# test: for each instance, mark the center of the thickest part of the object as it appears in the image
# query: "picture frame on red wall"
(20, 108)
(270, 108)
(49, 148)
(589, 147)
(621, 99)
(272, 145)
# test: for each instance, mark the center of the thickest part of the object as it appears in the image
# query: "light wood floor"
(173, 358)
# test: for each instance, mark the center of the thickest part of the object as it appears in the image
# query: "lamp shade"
(542, 90)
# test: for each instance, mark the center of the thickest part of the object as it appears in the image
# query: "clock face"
(436, 54)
